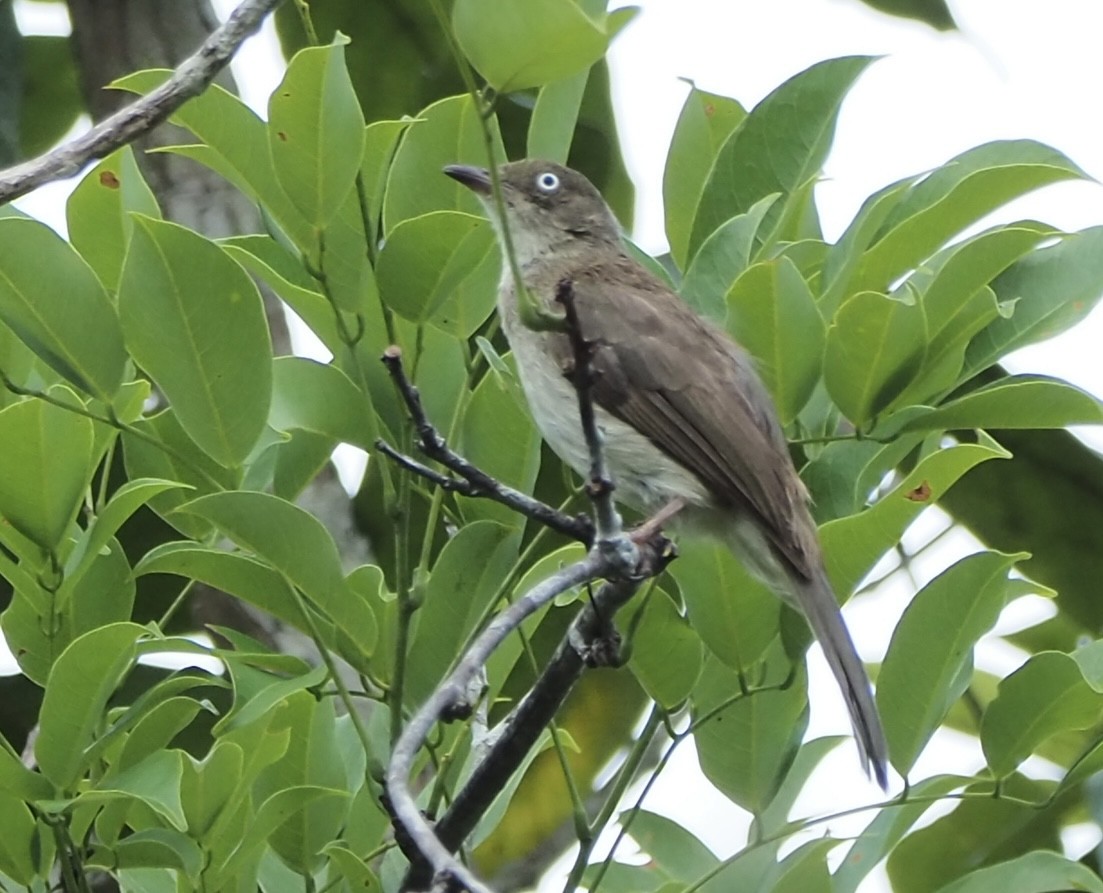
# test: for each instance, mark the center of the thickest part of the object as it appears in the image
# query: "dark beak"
(476, 179)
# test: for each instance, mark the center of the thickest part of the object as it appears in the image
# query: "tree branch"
(188, 80)
(521, 729)
(600, 485)
(443, 701)
(476, 482)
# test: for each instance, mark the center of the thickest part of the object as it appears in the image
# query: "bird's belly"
(644, 476)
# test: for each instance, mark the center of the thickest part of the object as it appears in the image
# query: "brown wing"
(695, 395)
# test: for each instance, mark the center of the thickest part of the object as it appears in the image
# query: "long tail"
(817, 601)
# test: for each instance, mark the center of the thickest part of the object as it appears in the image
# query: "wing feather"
(695, 394)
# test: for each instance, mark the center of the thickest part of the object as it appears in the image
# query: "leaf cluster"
(139, 377)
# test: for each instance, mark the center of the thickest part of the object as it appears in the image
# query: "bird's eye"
(547, 182)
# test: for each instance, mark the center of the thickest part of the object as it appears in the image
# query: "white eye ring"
(547, 182)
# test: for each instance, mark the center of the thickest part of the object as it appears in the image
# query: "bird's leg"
(655, 523)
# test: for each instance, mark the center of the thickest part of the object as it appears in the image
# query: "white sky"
(1018, 69)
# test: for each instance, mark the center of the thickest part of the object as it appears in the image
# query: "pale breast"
(645, 477)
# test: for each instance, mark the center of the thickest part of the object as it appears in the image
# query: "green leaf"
(721, 260)
(1018, 401)
(252, 702)
(931, 652)
(779, 147)
(236, 146)
(194, 321)
(772, 821)
(207, 786)
(19, 781)
(554, 118)
(181, 460)
(54, 303)
(852, 545)
(1052, 289)
(933, 12)
(845, 255)
(887, 829)
(465, 577)
(439, 259)
(104, 594)
(289, 538)
(447, 132)
(240, 575)
(705, 123)
(319, 397)
(80, 683)
(124, 502)
(98, 213)
(48, 461)
(18, 840)
(300, 550)
(123, 724)
(734, 614)
(673, 848)
(352, 868)
(271, 814)
(1046, 695)
(667, 653)
(275, 266)
(955, 195)
(156, 729)
(982, 830)
(517, 44)
(746, 748)
(805, 869)
(772, 313)
(1039, 872)
(316, 131)
(958, 302)
(380, 141)
(155, 848)
(287, 466)
(875, 346)
(155, 781)
(313, 758)
(498, 436)
(953, 276)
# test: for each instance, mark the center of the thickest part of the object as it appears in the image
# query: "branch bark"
(145, 113)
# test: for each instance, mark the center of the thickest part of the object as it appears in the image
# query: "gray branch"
(453, 691)
(190, 79)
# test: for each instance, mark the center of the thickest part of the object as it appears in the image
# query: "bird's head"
(547, 206)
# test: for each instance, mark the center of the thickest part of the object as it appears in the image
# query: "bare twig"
(476, 482)
(610, 530)
(453, 690)
(190, 79)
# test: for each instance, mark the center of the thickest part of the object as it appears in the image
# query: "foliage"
(139, 378)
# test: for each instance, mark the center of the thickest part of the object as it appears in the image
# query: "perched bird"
(685, 418)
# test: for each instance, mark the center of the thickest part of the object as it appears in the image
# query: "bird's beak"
(476, 179)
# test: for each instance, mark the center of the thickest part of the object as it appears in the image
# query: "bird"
(687, 424)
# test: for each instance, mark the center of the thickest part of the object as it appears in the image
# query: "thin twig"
(476, 482)
(190, 79)
(610, 529)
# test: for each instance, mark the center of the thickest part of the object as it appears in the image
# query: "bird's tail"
(817, 602)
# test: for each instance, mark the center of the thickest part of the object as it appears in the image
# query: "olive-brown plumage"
(683, 412)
